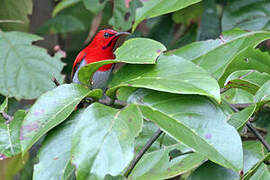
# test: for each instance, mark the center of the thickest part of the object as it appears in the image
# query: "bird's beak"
(122, 33)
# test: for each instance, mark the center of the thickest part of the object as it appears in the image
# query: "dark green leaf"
(167, 75)
(249, 59)
(197, 122)
(15, 14)
(155, 8)
(50, 109)
(27, 70)
(216, 55)
(54, 155)
(158, 164)
(249, 15)
(10, 135)
(63, 5)
(61, 24)
(133, 51)
(239, 119)
(249, 80)
(103, 140)
(95, 6)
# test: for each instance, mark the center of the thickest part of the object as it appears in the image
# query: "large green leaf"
(16, 12)
(27, 70)
(123, 14)
(196, 121)
(50, 109)
(249, 15)
(210, 171)
(153, 8)
(10, 135)
(95, 6)
(54, 155)
(63, 5)
(158, 165)
(249, 59)
(167, 75)
(61, 24)
(239, 119)
(133, 51)
(216, 55)
(249, 80)
(103, 140)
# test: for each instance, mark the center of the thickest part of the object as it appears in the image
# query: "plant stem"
(7, 117)
(55, 81)
(142, 151)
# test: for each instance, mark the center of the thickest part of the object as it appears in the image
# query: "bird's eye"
(106, 35)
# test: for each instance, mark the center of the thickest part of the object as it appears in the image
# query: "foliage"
(199, 94)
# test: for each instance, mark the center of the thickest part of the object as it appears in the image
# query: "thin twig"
(258, 135)
(254, 130)
(55, 81)
(7, 117)
(223, 90)
(142, 151)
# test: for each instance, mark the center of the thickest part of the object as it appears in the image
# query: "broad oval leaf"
(133, 51)
(27, 70)
(171, 74)
(196, 121)
(248, 15)
(103, 140)
(153, 8)
(15, 11)
(10, 135)
(54, 154)
(95, 6)
(157, 165)
(249, 80)
(263, 94)
(49, 110)
(216, 55)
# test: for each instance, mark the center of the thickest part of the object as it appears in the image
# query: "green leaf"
(49, 110)
(210, 171)
(133, 51)
(63, 5)
(237, 96)
(17, 11)
(216, 55)
(123, 14)
(54, 155)
(196, 121)
(263, 94)
(158, 165)
(249, 80)
(239, 119)
(95, 6)
(153, 8)
(255, 167)
(10, 135)
(27, 70)
(103, 140)
(167, 75)
(4, 105)
(248, 15)
(61, 24)
(249, 59)
(261, 173)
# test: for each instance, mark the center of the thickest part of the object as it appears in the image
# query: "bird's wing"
(77, 62)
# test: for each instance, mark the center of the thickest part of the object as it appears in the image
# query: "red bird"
(101, 48)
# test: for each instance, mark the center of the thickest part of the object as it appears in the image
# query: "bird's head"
(106, 39)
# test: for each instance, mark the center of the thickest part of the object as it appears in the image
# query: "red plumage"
(101, 48)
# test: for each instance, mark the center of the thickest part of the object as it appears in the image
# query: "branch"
(241, 106)
(142, 151)
(7, 117)
(223, 90)
(55, 81)
(254, 130)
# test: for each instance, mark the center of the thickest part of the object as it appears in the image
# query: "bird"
(101, 48)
